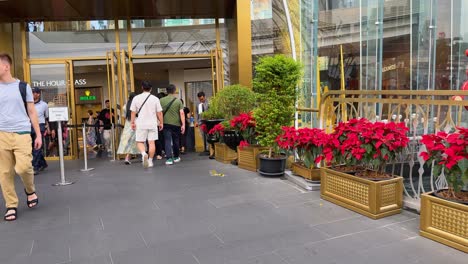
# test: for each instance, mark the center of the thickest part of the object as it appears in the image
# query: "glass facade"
(384, 44)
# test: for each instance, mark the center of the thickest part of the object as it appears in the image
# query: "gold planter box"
(444, 221)
(374, 199)
(306, 173)
(224, 154)
(247, 157)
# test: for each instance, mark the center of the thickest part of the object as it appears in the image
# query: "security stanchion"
(62, 182)
(113, 142)
(85, 151)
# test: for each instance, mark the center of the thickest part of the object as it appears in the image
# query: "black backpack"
(22, 87)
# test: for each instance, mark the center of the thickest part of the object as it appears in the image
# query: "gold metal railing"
(436, 110)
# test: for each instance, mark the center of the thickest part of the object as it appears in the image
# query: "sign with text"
(56, 83)
(58, 114)
(88, 96)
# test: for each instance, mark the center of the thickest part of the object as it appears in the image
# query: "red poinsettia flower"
(243, 144)
(307, 142)
(361, 142)
(449, 154)
(243, 121)
(218, 128)
(245, 124)
(204, 128)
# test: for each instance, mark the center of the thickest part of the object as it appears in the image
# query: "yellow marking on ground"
(214, 173)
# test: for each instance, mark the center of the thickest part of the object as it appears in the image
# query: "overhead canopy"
(57, 10)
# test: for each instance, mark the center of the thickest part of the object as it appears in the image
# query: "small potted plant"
(275, 83)
(233, 100)
(362, 150)
(444, 212)
(223, 153)
(210, 119)
(308, 144)
(247, 150)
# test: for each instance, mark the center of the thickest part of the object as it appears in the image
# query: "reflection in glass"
(71, 39)
(173, 37)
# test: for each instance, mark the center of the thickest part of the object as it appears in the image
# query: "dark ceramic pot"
(272, 167)
(232, 139)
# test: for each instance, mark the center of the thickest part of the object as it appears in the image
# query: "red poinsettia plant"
(245, 124)
(449, 155)
(218, 131)
(344, 145)
(307, 142)
(366, 144)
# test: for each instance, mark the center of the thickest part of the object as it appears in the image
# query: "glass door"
(54, 78)
(114, 95)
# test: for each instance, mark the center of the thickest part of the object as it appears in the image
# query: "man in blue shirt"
(39, 162)
(15, 139)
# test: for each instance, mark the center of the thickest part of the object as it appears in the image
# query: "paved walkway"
(182, 215)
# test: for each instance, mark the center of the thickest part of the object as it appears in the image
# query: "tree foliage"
(275, 83)
(234, 99)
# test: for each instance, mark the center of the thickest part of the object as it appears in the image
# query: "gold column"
(24, 52)
(130, 55)
(244, 42)
(6, 41)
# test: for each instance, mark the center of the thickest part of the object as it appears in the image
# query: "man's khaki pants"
(15, 156)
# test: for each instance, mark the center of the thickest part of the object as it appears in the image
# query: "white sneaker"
(176, 159)
(150, 163)
(145, 161)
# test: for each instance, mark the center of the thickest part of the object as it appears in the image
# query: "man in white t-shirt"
(146, 118)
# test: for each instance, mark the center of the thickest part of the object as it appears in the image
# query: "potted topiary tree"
(444, 213)
(275, 82)
(232, 100)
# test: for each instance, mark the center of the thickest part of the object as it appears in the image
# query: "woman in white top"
(127, 144)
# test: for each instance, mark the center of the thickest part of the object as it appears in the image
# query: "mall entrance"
(84, 84)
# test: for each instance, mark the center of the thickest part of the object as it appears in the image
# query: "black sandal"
(35, 201)
(12, 214)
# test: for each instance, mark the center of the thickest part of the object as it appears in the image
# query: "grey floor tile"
(408, 227)
(152, 256)
(270, 258)
(296, 198)
(181, 214)
(105, 259)
(14, 248)
(94, 243)
(345, 226)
